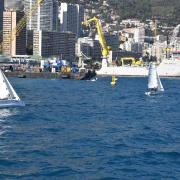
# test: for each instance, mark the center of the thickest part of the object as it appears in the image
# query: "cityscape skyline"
(54, 17)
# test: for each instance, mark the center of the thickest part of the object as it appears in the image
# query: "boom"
(105, 49)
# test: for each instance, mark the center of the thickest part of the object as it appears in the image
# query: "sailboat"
(113, 81)
(8, 96)
(154, 83)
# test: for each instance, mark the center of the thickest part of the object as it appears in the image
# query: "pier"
(49, 75)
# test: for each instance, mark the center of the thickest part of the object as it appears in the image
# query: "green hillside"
(167, 11)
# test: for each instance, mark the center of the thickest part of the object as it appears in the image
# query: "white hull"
(11, 103)
(151, 93)
(167, 68)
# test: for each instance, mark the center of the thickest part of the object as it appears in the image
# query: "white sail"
(4, 92)
(8, 96)
(160, 86)
(152, 80)
(12, 92)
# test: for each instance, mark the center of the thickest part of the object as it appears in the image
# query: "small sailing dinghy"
(154, 83)
(8, 96)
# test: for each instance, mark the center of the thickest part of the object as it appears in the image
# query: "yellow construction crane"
(105, 48)
(21, 24)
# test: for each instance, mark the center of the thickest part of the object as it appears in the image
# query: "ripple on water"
(83, 130)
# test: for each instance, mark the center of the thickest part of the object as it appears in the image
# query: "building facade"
(71, 16)
(1, 19)
(15, 5)
(112, 40)
(13, 44)
(89, 47)
(47, 44)
(44, 17)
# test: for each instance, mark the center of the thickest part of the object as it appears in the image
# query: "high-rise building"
(45, 16)
(47, 44)
(13, 44)
(71, 16)
(13, 4)
(1, 18)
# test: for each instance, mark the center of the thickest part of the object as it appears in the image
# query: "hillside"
(109, 10)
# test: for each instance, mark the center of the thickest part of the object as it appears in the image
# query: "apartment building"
(47, 44)
(13, 43)
(45, 16)
(1, 19)
(71, 16)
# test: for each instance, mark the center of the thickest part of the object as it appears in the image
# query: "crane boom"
(105, 49)
(21, 24)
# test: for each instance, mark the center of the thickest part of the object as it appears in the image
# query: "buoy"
(113, 82)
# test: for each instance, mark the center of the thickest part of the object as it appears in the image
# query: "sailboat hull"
(150, 93)
(11, 103)
(153, 93)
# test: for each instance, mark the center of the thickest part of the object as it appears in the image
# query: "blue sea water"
(78, 130)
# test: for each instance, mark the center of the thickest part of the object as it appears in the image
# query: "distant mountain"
(110, 10)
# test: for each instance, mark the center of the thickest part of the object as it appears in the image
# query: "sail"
(152, 80)
(4, 93)
(6, 90)
(160, 86)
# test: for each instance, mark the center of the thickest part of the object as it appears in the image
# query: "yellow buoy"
(113, 81)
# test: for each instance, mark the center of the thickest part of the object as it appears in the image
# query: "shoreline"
(49, 75)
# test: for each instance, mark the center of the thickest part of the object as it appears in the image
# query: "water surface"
(90, 130)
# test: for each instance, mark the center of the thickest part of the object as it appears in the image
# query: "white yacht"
(167, 68)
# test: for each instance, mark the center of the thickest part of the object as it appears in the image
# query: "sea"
(84, 130)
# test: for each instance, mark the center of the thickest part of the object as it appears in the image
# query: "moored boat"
(167, 68)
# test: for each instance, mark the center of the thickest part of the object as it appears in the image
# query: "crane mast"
(105, 48)
(21, 24)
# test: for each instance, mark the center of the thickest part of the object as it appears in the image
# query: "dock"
(49, 75)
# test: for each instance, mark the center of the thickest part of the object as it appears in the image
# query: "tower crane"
(21, 24)
(104, 48)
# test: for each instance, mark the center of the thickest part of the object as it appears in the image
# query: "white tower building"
(71, 16)
(139, 34)
(45, 17)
